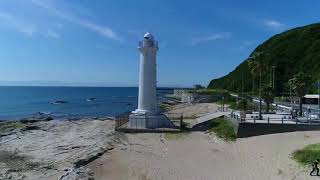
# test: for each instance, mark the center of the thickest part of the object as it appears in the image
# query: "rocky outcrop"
(54, 149)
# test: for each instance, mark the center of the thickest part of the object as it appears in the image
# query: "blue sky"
(93, 42)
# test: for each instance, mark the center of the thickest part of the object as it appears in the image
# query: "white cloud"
(53, 34)
(212, 37)
(59, 25)
(273, 24)
(14, 22)
(67, 16)
(5, 16)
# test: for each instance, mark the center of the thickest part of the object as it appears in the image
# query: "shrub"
(222, 129)
(308, 154)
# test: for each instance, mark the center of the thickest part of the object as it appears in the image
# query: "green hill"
(292, 51)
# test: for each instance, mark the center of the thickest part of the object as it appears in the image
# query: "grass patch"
(174, 98)
(223, 129)
(208, 91)
(176, 135)
(8, 126)
(164, 107)
(307, 155)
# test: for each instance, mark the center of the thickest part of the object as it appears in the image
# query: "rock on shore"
(54, 149)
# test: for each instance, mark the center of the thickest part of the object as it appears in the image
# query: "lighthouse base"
(145, 121)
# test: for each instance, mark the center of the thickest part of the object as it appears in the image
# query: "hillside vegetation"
(293, 51)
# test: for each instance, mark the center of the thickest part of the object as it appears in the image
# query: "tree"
(301, 83)
(256, 64)
(243, 104)
(268, 96)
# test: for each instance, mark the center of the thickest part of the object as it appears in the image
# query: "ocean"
(60, 102)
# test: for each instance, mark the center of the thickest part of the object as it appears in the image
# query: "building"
(311, 99)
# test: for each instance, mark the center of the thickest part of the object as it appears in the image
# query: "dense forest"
(293, 51)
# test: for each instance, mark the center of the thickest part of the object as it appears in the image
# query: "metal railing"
(282, 120)
(223, 109)
(121, 121)
(150, 123)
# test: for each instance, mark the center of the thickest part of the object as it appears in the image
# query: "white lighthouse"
(147, 102)
(147, 114)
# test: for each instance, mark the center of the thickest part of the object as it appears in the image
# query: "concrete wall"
(251, 129)
(188, 97)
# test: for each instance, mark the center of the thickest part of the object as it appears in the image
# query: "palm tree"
(301, 82)
(257, 64)
(268, 96)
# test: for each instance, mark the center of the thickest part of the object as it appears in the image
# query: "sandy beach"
(197, 156)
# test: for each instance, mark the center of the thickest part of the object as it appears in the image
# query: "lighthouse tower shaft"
(147, 102)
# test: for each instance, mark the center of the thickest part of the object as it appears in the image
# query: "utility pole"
(291, 96)
(252, 84)
(318, 93)
(273, 71)
(260, 100)
(271, 77)
(242, 85)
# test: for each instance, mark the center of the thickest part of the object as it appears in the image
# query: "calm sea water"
(19, 102)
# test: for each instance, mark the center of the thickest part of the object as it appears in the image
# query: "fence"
(280, 120)
(164, 122)
(223, 109)
(121, 121)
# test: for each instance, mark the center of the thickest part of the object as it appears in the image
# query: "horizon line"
(89, 86)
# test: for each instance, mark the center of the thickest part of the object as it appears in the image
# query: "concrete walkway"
(210, 116)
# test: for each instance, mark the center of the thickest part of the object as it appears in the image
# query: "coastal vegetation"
(243, 104)
(268, 96)
(206, 91)
(164, 107)
(223, 129)
(280, 58)
(300, 84)
(308, 154)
